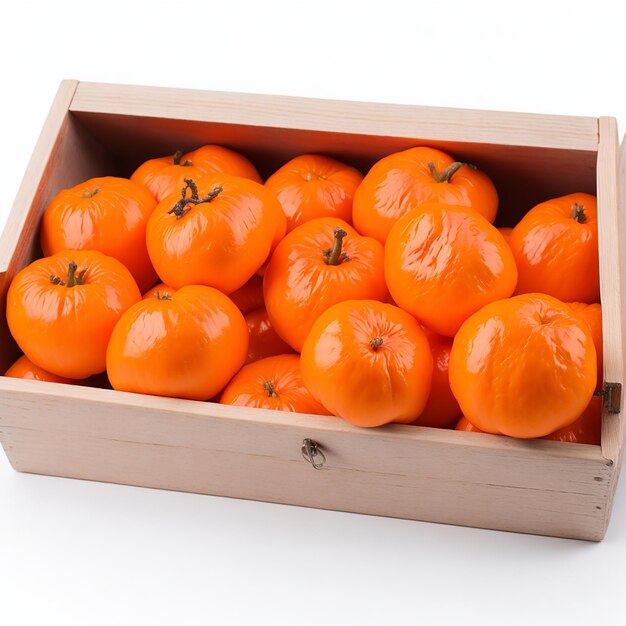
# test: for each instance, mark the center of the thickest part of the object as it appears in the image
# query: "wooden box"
(482, 480)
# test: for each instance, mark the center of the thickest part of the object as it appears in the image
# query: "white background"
(76, 553)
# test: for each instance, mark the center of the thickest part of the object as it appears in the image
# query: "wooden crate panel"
(400, 471)
(446, 476)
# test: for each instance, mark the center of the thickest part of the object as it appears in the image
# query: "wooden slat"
(65, 154)
(612, 202)
(427, 123)
(523, 175)
(18, 241)
(400, 471)
(610, 233)
(18, 229)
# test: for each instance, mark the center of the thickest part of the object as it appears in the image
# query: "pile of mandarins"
(378, 299)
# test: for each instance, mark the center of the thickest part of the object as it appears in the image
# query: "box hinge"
(612, 394)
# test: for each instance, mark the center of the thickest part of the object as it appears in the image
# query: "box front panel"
(400, 471)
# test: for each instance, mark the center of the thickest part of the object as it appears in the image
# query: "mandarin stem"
(446, 174)
(376, 343)
(268, 385)
(334, 257)
(578, 213)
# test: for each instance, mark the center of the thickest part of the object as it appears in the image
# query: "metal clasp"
(310, 450)
(612, 393)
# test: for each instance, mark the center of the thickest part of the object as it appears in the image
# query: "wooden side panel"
(18, 235)
(523, 175)
(429, 123)
(530, 157)
(65, 154)
(539, 487)
(612, 192)
(611, 244)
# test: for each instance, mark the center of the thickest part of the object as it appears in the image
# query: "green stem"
(335, 255)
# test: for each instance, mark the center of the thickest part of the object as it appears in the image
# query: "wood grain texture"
(610, 225)
(612, 233)
(18, 243)
(428, 123)
(523, 175)
(21, 224)
(65, 155)
(400, 471)
(529, 157)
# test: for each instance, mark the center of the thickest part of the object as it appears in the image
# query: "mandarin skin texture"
(586, 429)
(368, 362)
(106, 214)
(272, 383)
(219, 238)
(187, 345)
(555, 246)
(250, 296)
(61, 315)
(592, 314)
(166, 175)
(442, 409)
(160, 289)
(312, 186)
(466, 426)
(523, 367)
(264, 342)
(26, 369)
(403, 181)
(505, 231)
(304, 276)
(442, 264)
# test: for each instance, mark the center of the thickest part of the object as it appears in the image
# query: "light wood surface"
(612, 196)
(610, 225)
(540, 487)
(523, 175)
(65, 155)
(400, 471)
(18, 235)
(427, 123)
(18, 242)
(529, 157)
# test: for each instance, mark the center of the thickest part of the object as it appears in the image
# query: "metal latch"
(312, 452)
(612, 394)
